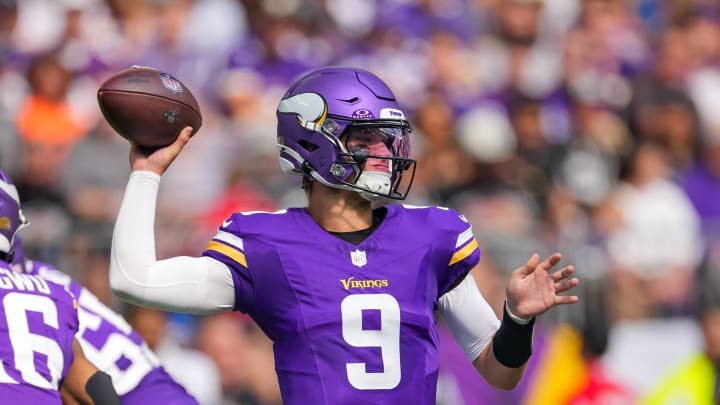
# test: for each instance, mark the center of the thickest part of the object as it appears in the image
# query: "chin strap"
(374, 182)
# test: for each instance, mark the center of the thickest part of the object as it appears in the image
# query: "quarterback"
(347, 290)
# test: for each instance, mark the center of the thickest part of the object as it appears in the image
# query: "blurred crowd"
(589, 127)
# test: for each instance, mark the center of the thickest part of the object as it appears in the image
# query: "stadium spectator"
(653, 269)
(48, 129)
(694, 380)
(241, 352)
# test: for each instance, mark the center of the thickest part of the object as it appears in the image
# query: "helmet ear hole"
(308, 146)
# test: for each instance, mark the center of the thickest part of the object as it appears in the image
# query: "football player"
(112, 345)
(347, 291)
(38, 320)
(107, 340)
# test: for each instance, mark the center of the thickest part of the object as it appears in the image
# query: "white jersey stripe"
(229, 239)
(464, 237)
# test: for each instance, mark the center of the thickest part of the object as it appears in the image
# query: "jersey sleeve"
(228, 247)
(459, 247)
(67, 304)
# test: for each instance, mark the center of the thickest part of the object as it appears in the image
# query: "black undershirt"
(356, 237)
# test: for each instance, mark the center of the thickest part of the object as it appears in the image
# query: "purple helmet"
(11, 217)
(326, 122)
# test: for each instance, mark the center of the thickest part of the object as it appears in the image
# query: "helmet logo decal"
(392, 113)
(363, 113)
(310, 109)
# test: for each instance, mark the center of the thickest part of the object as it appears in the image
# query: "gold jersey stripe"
(228, 251)
(464, 252)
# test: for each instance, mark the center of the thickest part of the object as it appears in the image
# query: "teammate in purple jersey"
(107, 340)
(39, 355)
(111, 344)
(348, 292)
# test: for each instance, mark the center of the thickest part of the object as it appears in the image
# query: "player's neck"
(338, 210)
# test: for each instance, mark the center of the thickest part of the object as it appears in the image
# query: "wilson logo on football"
(171, 83)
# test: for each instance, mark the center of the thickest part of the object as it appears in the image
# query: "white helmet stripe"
(10, 190)
(4, 244)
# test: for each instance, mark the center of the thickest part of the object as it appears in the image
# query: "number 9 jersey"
(351, 324)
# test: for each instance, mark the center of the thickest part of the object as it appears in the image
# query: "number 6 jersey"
(111, 344)
(351, 324)
(38, 320)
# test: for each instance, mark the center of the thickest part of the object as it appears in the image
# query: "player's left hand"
(533, 288)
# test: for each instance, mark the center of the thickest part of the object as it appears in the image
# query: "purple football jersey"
(351, 324)
(37, 324)
(111, 344)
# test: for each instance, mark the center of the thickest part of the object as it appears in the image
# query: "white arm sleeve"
(469, 317)
(196, 285)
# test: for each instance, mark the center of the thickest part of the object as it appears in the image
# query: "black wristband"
(512, 343)
(99, 387)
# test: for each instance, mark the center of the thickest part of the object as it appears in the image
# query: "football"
(148, 107)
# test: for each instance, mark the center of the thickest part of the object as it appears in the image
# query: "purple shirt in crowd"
(703, 189)
(351, 324)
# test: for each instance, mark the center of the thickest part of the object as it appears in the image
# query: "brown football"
(147, 106)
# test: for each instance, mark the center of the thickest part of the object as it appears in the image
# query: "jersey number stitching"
(387, 338)
(140, 360)
(25, 343)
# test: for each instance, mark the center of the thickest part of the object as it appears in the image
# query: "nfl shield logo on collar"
(358, 257)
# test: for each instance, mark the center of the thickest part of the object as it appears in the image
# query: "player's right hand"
(158, 160)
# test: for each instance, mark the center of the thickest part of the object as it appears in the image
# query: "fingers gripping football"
(158, 160)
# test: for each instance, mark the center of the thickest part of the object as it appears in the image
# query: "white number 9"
(387, 338)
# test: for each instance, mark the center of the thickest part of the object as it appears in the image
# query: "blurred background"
(589, 127)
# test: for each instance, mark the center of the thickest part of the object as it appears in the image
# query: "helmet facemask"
(379, 154)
